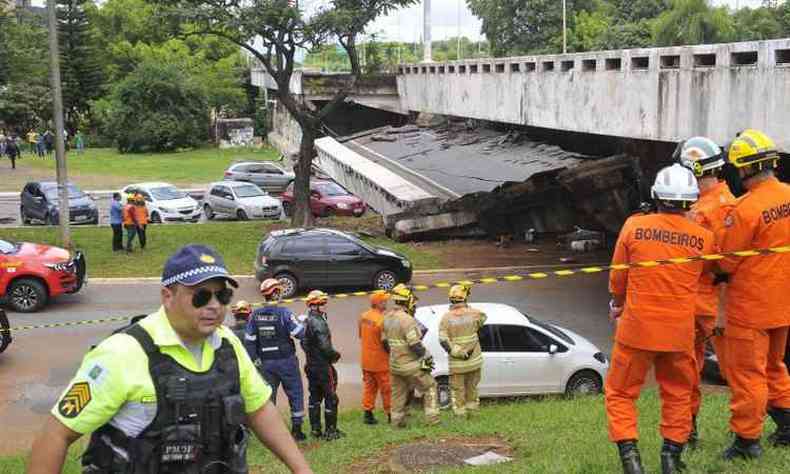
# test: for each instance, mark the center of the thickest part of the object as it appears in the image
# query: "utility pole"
(564, 27)
(60, 149)
(458, 46)
(427, 55)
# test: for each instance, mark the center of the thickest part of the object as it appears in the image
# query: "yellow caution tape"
(486, 280)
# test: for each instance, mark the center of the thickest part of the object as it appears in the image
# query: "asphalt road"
(40, 363)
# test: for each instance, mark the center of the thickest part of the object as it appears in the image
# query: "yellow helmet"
(402, 295)
(316, 297)
(751, 147)
(241, 308)
(459, 293)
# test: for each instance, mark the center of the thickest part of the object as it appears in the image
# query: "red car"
(327, 198)
(32, 274)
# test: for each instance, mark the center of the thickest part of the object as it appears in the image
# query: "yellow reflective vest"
(401, 331)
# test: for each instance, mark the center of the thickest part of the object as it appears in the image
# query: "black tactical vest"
(274, 340)
(198, 426)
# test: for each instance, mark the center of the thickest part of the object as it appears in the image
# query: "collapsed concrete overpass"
(663, 94)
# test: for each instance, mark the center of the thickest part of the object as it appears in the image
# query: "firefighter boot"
(781, 437)
(369, 418)
(296, 431)
(629, 455)
(694, 435)
(332, 433)
(315, 421)
(670, 457)
(743, 448)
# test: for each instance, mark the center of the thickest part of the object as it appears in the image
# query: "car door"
(257, 175)
(223, 203)
(38, 203)
(524, 361)
(307, 256)
(276, 177)
(316, 207)
(26, 199)
(349, 264)
(489, 377)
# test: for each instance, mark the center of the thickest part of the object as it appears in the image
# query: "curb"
(440, 271)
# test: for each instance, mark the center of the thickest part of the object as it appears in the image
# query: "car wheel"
(156, 218)
(242, 215)
(287, 208)
(444, 396)
(23, 216)
(584, 382)
(27, 295)
(385, 280)
(289, 283)
(208, 211)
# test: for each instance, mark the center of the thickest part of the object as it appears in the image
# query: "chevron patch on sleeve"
(75, 400)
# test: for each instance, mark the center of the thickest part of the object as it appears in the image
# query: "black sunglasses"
(202, 297)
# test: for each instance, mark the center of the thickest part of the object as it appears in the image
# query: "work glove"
(456, 352)
(427, 364)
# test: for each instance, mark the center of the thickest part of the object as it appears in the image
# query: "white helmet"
(675, 186)
(701, 155)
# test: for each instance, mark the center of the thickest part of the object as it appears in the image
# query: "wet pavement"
(39, 364)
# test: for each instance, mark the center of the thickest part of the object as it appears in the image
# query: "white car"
(240, 200)
(166, 203)
(521, 355)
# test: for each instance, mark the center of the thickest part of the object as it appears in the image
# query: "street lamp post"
(57, 101)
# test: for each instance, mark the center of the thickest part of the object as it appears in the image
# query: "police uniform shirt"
(113, 383)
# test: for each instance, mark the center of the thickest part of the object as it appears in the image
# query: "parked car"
(5, 331)
(240, 200)
(327, 198)
(166, 203)
(32, 274)
(267, 176)
(521, 355)
(39, 201)
(322, 258)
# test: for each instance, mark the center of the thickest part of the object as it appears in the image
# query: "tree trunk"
(302, 214)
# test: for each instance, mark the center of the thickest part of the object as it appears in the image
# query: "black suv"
(321, 258)
(40, 201)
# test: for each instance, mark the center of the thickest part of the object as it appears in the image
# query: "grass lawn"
(105, 168)
(237, 242)
(547, 436)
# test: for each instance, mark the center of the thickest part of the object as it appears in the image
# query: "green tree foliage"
(759, 24)
(156, 108)
(25, 99)
(81, 69)
(693, 22)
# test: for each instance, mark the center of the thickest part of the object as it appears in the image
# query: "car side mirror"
(553, 349)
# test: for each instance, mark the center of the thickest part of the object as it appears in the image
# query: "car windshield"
(52, 192)
(7, 247)
(167, 193)
(331, 189)
(552, 329)
(248, 191)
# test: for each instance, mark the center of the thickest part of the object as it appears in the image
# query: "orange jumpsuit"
(709, 211)
(758, 317)
(375, 361)
(657, 324)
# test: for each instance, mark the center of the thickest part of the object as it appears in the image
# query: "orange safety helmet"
(316, 297)
(271, 288)
(241, 309)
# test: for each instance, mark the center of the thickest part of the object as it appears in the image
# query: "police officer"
(410, 362)
(458, 336)
(241, 312)
(172, 393)
(321, 375)
(705, 159)
(269, 339)
(757, 318)
(654, 311)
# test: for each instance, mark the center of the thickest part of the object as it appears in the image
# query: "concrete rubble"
(485, 182)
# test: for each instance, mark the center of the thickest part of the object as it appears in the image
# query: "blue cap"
(193, 264)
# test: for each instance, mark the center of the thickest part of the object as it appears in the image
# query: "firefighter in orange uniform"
(757, 314)
(653, 308)
(375, 360)
(705, 159)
